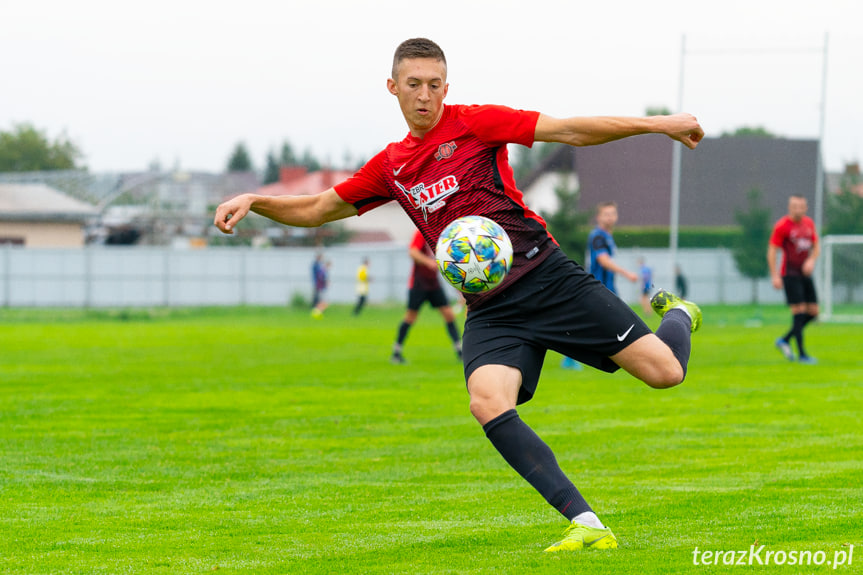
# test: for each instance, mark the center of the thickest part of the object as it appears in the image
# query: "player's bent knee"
(493, 390)
(486, 409)
(652, 361)
(665, 378)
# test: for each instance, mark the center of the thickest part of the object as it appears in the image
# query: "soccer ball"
(474, 254)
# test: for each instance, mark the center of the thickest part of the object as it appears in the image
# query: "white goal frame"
(827, 243)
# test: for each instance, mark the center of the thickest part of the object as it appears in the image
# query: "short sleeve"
(778, 235)
(366, 189)
(498, 125)
(599, 244)
(418, 242)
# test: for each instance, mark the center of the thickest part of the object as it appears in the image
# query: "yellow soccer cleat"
(578, 536)
(664, 301)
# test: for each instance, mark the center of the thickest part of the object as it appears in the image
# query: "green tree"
(749, 250)
(271, 172)
(657, 111)
(845, 209)
(309, 161)
(749, 131)
(567, 224)
(845, 216)
(526, 160)
(287, 156)
(26, 149)
(240, 161)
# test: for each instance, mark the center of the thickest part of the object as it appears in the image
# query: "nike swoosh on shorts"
(622, 336)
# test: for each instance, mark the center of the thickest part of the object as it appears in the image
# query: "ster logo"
(445, 151)
(429, 198)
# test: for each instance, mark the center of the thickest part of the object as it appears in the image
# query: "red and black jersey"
(421, 276)
(796, 239)
(459, 168)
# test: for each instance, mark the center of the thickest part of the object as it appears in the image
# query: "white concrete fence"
(145, 277)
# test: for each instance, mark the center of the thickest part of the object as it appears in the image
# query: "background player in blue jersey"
(602, 248)
(454, 163)
(602, 264)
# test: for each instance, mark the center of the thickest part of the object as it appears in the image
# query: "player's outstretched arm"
(608, 263)
(775, 278)
(590, 131)
(298, 211)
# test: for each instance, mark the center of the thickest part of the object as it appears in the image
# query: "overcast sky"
(182, 81)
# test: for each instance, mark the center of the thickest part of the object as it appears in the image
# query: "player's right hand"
(229, 213)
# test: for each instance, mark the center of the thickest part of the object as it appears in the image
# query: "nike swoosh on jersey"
(621, 337)
(399, 171)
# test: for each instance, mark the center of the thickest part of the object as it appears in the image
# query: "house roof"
(38, 202)
(297, 181)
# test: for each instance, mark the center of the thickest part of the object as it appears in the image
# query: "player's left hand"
(686, 129)
(232, 211)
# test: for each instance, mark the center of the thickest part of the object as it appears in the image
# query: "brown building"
(715, 178)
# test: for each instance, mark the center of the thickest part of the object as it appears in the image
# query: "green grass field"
(262, 441)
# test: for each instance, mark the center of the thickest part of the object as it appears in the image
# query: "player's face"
(797, 208)
(607, 217)
(421, 87)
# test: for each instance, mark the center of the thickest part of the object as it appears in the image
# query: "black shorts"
(799, 289)
(557, 306)
(418, 296)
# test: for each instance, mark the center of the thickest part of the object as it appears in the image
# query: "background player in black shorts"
(794, 234)
(454, 163)
(424, 286)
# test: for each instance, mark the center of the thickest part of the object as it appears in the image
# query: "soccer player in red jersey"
(453, 163)
(795, 235)
(424, 286)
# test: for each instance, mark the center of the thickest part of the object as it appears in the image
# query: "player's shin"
(535, 462)
(676, 333)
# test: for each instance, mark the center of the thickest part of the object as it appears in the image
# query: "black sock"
(800, 319)
(676, 331)
(809, 317)
(452, 330)
(791, 332)
(535, 462)
(360, 303)
(403, 333)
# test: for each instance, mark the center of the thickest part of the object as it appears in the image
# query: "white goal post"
(842, 278)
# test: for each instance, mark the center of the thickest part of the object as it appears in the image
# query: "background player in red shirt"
(424, 286)
(795, 235)
(454, 163)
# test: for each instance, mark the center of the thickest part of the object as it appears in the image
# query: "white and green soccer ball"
(474, 254)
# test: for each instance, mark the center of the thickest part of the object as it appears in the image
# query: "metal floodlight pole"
(819, 172)
(674, 224)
